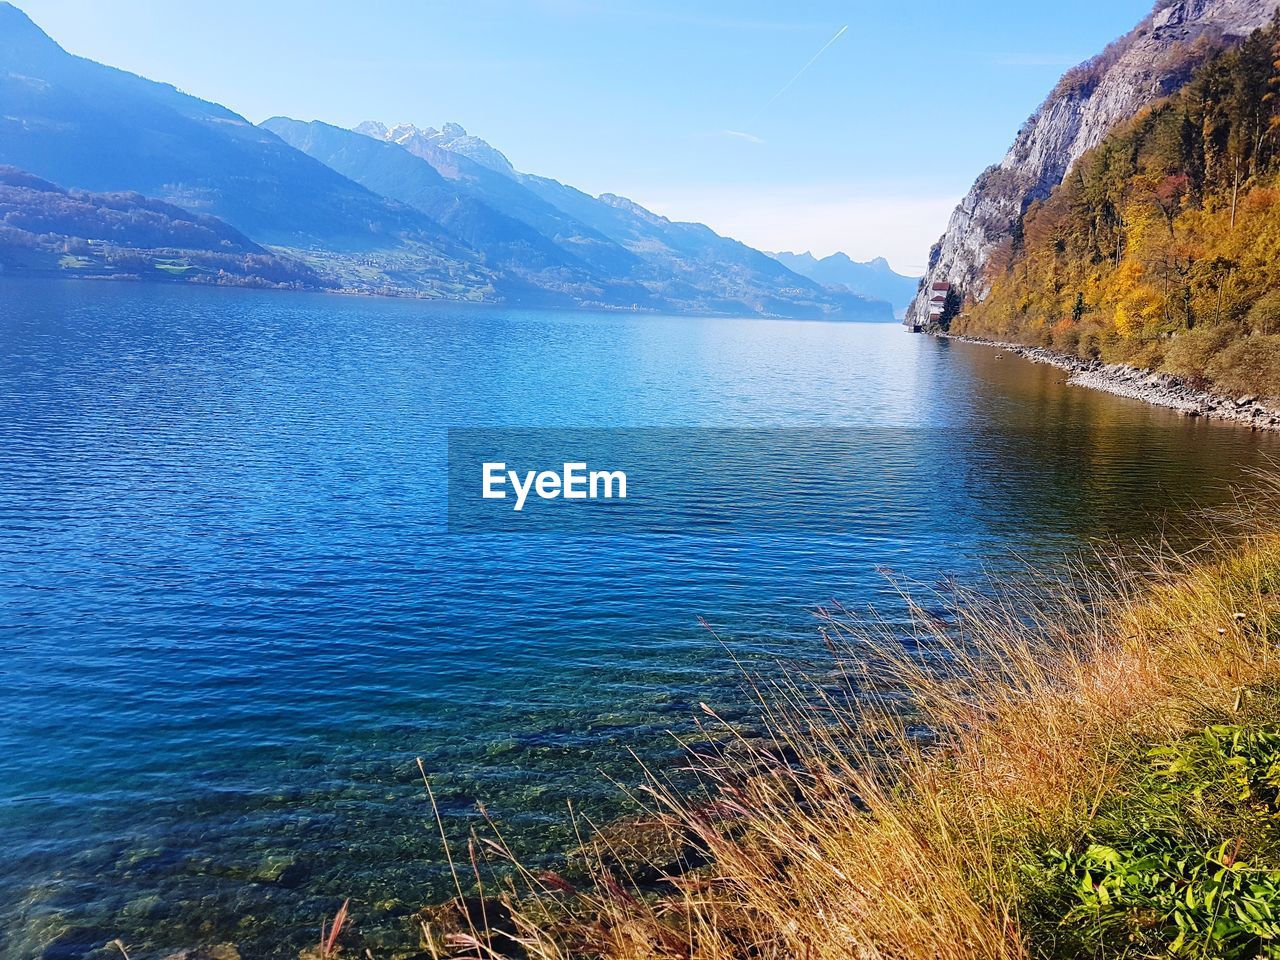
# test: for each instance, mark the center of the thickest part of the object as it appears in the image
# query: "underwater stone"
(284, 871)
(219, 951)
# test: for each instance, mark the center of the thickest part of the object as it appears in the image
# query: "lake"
(233, 613)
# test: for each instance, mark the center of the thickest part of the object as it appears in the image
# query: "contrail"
(800, 72)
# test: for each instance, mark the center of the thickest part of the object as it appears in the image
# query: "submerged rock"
(283, 870)
(463, 921)
(219, 951)
(76, 943)
(144, 908)
(643, 851)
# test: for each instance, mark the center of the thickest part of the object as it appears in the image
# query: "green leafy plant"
(1184, 863)
(1202, 903)
(1247, 759)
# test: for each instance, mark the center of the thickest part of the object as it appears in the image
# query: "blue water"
(232, 617)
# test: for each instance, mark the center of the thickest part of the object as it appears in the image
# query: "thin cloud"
(799, 73)
(740, 135)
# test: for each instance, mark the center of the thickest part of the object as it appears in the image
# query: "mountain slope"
(724, 271)
(1162, 249)
(47, 230)
(1153, 60)
(505, 242)
(394, 173)
(464, 225)
(93, 127)
(501, 190)
(687, 265)
(874, 278)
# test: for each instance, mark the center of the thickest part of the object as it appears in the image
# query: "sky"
(710, 111)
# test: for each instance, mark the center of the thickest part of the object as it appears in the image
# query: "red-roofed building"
(937, 297)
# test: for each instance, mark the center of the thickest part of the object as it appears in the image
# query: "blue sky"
(666, 102)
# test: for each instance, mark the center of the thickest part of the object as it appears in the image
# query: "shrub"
(1148, 354)
(1190, 351)
(1182, 860)
(1093, 336)
(1251, 365)
(1264, 315)
(1066, 336)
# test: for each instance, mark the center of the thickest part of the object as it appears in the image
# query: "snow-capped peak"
(452, 137)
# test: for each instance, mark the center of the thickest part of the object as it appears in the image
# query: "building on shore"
(927, 316)
(937, 297)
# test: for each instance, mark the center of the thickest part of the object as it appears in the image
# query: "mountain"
(724, 271)
(1160, 249)
(436, 213)
(87, 126)
(874, 278)
(1150, 62)
(686, 264)
(499, 188)
(394, 173)
(45, 229)
(452, 137)
(508, 243)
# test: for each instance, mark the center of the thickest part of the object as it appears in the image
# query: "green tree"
(951, 305)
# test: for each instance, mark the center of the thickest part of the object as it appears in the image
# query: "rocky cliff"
(1150, 62)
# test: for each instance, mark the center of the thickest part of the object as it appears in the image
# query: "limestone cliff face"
(1150, 62)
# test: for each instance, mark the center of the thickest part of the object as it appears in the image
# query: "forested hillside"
(1152, 61)
(46, 230)
(1162, 246)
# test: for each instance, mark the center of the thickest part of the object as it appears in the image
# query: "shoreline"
(1137, 383)
(1096, 751)
(402, 294)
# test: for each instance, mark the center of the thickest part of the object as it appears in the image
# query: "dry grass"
(890, 813)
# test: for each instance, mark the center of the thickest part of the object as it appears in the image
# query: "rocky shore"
(1161, 389)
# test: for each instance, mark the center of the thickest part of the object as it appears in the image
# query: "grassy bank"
(1081, 766)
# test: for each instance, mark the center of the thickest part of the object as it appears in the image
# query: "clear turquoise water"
(231, 615)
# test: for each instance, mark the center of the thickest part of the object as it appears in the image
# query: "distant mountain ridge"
(424, 211)
(81, 124)
(687, 261)
(451, 136)
(872, 278)
(459, 175)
